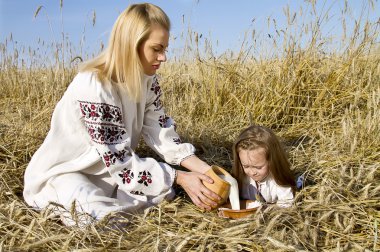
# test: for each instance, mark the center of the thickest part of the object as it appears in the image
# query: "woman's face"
(254, 163)
(152, 51)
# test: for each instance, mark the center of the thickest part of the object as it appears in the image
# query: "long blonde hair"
(255, 137)
(120, 62)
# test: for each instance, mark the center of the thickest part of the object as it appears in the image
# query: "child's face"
(152, 51)
(254, 163)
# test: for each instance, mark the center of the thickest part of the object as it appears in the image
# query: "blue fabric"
(300, 181)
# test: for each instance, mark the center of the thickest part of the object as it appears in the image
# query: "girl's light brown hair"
(120, 62)
(261, 137)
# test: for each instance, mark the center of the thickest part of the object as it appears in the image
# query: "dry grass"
(325, 106)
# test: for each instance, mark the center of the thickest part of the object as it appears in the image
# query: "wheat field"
(323, 103)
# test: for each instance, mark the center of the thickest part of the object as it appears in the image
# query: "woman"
(88, 156)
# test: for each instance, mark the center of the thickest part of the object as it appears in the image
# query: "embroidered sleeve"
(104, 123)
(159, 130)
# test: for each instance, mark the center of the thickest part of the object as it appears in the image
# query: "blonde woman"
(88, 160)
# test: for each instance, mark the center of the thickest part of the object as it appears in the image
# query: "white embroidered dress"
(88, 155)
(269, 190)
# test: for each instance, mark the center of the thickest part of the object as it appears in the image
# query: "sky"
(223, 22)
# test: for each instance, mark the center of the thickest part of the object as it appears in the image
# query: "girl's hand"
(201, 196)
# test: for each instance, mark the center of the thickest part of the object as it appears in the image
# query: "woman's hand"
(201, 196)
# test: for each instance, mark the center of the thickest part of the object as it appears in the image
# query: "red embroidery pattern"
(101, 112)
(103, 122)
(105, 133)
(126, 175)
(110, 158)
(164, 121)
(157, 91)
(145, 178)
(156, 86)
(158, 104)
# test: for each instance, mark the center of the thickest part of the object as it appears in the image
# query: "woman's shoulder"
(85, 79)
(87, 87)
(87, 83)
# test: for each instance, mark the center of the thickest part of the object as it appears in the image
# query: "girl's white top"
(96, 127)
(269, 189)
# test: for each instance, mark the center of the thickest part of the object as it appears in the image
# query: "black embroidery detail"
(105, 133)
(177, 140)
(157, 91)
(157, 103)
(137, 193)
(110, 158)
(164, 121)
(101, 112)
(156, 87)
(126, 175)
(145, 178)
(103, 122)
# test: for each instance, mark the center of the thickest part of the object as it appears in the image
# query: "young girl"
(88, 156)
(261, 167)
